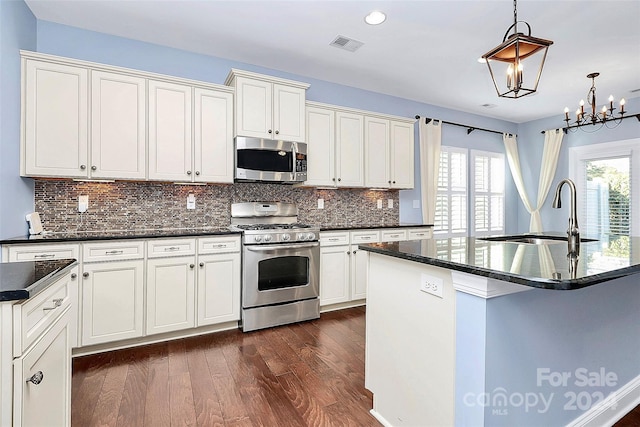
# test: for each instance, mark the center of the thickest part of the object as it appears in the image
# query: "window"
(487, 193)
(608, 188)
(486, 181)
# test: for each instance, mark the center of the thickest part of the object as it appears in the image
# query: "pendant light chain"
(515, 17)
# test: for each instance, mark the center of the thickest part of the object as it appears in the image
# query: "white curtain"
(430, 141)
(552, 143)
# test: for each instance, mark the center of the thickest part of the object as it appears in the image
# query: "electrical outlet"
(431, 285)
(83, 203)
(390, 203)
(320, 203)
(379, 203)
(191, 201)
(416, 204)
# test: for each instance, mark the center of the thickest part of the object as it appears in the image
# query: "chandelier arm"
(582, 124)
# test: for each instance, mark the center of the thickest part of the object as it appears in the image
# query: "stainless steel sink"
(532, 239)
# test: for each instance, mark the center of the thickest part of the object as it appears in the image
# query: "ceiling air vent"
(346, 43)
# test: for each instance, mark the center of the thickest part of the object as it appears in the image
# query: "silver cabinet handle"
(188, 172)
(191, 265)
(74, 275)
(365, 237)
(114, 252)
(56, 303)
(339, 179)
(197, 172)
(85, 274)
(277, 132)
(172, 248)
(201, 264)
(40, 256)
(269, 131)
(83, 167)
(93, 168)
(36, 378)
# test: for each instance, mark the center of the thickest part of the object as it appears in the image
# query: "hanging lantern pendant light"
(511, 55)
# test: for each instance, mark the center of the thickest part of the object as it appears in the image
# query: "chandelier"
(595, 117)
(508, 59)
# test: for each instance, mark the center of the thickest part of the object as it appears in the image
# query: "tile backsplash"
(150, 205)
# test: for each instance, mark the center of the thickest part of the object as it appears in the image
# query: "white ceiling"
(426, 50)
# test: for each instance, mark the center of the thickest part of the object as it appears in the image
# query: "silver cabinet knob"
(85, 274)
(197, 172)
(74, 275)
(201, 264)
(339, 179)
(36, 378)
(188, 172)
(269, 131)
(83, 167)
(93, 168)
(277, 132)
(191, 265)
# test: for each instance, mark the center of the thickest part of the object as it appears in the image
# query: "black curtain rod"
(565, 129)
(469, 128)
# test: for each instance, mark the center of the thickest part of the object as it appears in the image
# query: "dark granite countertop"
(541, 266)
(344, 227)
(23, 280)
(119, 235)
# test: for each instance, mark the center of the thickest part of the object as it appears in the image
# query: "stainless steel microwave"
(269, 160)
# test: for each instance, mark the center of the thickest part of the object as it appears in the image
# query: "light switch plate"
(191, 201)
(83, 203)
(379, 203)
(416, 204)
(390, 203)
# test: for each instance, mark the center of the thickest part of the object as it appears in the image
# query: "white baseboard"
(611, 410)
(380, 418)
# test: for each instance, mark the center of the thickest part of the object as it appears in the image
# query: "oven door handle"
(261, 248)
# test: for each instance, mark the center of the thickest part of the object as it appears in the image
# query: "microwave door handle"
(293, 159)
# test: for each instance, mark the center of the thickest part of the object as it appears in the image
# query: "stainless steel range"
(280, 265)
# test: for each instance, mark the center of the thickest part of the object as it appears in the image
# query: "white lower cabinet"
(170, 294)
(112, 301)
(334, 274)
(42, 379)
(218, 288)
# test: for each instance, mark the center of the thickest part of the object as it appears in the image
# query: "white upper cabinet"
(268, 107)
(321, 141)
(55, 122)
(376, 134)
(170, 134)
(213, 136)
(402, 155)
(118, 128)
(388, 153)
(349, 149)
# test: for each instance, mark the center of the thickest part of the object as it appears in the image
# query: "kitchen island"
(490, 333)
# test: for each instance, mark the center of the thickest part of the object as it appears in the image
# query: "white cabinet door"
(334, 274)
(349, 149)
(359, 273)
(402, 150)
(254, 115)
(320, 146)
(170, 136)
(112, 301)
(288, 113)
(47, 402)
(170, 294)
(213, 136)
(118, 126)
(376, 136)
(55, 131)
(218, 288)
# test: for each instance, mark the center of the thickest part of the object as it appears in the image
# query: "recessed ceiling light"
(375, 18)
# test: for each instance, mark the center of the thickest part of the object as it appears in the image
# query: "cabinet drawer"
(216, 245)
(170, 247)
(32, 317)
(40, 252)
(130, 249)
(358, 237)
(420, 233)
(334, 239)
(393, 235)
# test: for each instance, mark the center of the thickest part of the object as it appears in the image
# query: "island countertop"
(23, 280)
(544, 266)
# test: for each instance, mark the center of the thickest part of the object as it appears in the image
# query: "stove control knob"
(267, 238)
(258, 238)
(301, 236)
(286, 237)
(311, 236)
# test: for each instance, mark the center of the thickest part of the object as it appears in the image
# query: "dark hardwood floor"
(307, 374)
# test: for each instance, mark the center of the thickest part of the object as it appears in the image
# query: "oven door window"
(265, 160)
(283, 272)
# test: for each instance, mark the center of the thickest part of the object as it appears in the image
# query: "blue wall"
(17, 31)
